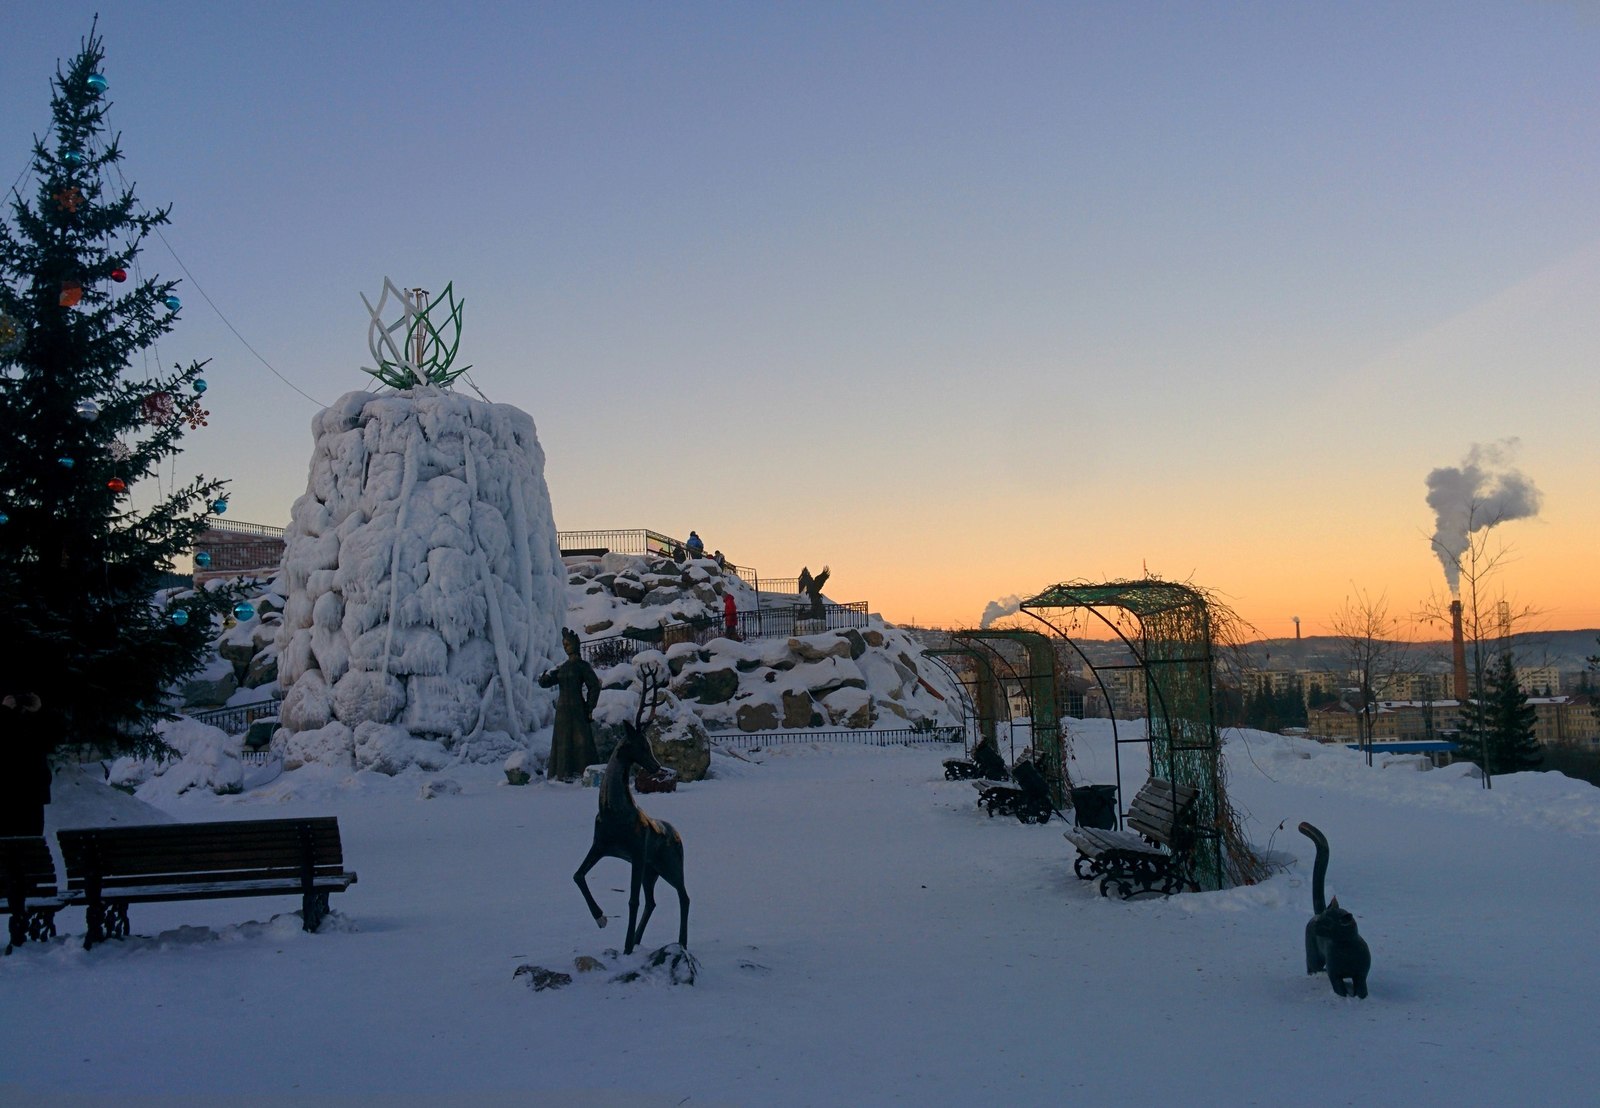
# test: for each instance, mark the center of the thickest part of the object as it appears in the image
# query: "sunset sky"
(961, 299)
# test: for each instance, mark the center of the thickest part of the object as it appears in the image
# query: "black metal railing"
(236, 720)
(903, 736)
(762, 623)
(639, 541)
(783, 620)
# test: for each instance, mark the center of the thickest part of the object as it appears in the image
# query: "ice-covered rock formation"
(424, 586)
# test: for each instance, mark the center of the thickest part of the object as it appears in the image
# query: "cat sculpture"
(1332, 942)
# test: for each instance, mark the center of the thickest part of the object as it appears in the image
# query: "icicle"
(407, 482)
(483, 710)
(497, 628)
(524, 558)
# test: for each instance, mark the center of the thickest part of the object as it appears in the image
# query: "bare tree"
(1373, 652)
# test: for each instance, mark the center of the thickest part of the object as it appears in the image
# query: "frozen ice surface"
(425, 590)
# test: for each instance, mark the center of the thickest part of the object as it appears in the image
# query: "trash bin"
(1095, 806)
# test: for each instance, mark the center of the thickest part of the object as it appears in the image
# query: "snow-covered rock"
(206, 758)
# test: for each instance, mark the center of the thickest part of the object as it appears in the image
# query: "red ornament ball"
(119, 275)
(116, 484)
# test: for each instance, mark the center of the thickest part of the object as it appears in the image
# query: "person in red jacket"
(730, 615)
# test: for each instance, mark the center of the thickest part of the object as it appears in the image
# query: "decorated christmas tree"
(86, 527)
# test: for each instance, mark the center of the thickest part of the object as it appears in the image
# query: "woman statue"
(577, 691)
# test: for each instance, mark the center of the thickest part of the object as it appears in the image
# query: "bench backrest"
(26, 868)
(192, 853)
(1158, 812)
(1032, 782)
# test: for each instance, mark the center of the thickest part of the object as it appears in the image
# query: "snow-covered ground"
(865, 935)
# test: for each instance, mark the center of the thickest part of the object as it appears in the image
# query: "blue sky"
(964, 299)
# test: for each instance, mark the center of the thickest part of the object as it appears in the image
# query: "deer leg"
(589, 860)
(672, 870)
(649, 902)
(633, 904)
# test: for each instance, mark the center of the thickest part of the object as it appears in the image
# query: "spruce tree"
(82, 434)
(1511, 720)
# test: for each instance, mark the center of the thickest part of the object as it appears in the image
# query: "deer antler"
(650, 685)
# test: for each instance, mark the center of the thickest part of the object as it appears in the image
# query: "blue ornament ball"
(202, 559)
(96, 82)
(199, 384)
(244, 610)
(173, 303)
(65, 462)
(180, 616)
(219, 506)
(4, 519)
(72, 157)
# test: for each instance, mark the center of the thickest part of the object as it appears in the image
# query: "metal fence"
(762, 623)
(904, 736)
(217, 523)
(639, 541)
(635, 541)
(236, 720)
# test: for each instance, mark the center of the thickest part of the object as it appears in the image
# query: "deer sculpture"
(622, 830)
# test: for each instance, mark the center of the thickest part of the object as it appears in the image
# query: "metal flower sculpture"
(414, 350)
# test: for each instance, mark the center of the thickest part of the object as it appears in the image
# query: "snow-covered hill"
(867, 677)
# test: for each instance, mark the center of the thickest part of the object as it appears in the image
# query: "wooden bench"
(109, 868)
(1154, 856)
(985, 763)
(1028, 799)
(28, 880)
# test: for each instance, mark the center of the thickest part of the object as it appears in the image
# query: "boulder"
(709, 686)
(210, 690)
(757, 717)
(816, 649)
(239, 651)
(629, 589)
(858, 644)
(263, 669)
(683, 747)
(850, 708)
(516, 768)
(258, 736)
(799, 710)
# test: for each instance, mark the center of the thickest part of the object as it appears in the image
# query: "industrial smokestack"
(1458, 651)
(1296, 627)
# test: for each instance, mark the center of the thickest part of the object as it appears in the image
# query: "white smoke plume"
(1484, 490)
(998, 609)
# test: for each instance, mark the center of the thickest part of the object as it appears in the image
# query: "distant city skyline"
(963, 300)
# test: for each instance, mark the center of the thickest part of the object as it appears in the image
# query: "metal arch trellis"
(979, 704)
(988, 691)
(1174, 650)
(1039, 687)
